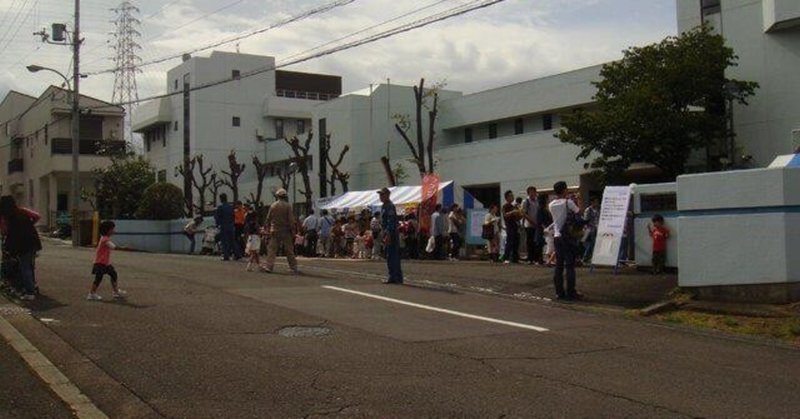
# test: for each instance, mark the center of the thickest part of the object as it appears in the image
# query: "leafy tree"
(119, 187)
(658, 104)
(161, 201)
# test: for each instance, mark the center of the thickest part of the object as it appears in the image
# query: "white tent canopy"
(401, 195)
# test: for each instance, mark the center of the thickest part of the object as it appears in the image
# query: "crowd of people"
(556, 230)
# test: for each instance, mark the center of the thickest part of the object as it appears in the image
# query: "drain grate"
(304, 331)
(13, 310)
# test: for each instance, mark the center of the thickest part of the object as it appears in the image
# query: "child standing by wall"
(102, 263)
(660, 233)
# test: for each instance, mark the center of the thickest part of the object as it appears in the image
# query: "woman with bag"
(491, 233)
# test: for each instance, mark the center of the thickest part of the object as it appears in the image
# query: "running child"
(102, 263)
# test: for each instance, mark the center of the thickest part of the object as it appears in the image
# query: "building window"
(147, 142)
(162, 175)
(709, 7)
(547, 121)
(467, 135)
(235, 74)
(301, 126)
(492, 131)
(163, 131)
(519, 126)
(236, 121)
(176, 84)
(279, 128)
(175, 126)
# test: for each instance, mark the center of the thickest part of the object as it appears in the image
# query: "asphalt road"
(201, 338)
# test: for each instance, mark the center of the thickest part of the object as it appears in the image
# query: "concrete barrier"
(156, 235)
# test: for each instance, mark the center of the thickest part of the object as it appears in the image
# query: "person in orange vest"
(239, 215)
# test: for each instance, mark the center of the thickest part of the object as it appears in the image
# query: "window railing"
(298, 94)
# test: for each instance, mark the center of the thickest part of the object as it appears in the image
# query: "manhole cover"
(304, 331)
(13, 310)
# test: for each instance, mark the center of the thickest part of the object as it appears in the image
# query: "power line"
(321, 9)
(7, 40)
(360, 31)
(428, 20)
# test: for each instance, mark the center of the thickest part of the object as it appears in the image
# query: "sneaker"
(28, 297)
(93, 297)
(119, 295)
(506, 262)
(266, 270)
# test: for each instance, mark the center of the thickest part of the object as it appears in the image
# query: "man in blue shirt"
(391, 237)
(224, 219)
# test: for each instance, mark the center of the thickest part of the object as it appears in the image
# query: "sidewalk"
(24, 394)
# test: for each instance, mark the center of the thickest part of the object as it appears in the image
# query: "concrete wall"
(739, 228)
(156, 236)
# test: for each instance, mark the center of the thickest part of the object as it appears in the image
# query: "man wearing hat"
(391, 237)
(281, 224)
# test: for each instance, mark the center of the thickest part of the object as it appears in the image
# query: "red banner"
(430, 195)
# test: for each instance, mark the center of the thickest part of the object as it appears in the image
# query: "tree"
(658, 104)
(336, 174)
(422, 153)
(161, 201)
(302, 157)
(234, 172)
(214, 186)
(207, 178)
(261, 174)
(186, 171)
(118, 188)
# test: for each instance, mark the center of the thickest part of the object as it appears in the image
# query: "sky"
(509, 42)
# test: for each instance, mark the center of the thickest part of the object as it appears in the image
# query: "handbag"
(487, 231)
(431, 244)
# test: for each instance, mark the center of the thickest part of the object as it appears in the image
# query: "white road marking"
(439, 310)
(52, 376)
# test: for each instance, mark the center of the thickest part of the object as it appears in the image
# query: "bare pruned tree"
(216, 183)
(284, 177)
(302, 157)
(421, 152)
(186, 171)
(206, 177)
(261, 174)
(336, 174)
(234, 172)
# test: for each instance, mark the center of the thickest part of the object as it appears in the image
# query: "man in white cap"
(281, 224)
(391, 238)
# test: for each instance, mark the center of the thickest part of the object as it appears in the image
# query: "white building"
(242, 115)
(765, 34)
(36, 148)
(503, 138)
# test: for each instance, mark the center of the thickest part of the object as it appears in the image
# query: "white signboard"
(475, 225)
(613, 213)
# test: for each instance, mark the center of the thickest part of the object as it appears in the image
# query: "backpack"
(572, 231)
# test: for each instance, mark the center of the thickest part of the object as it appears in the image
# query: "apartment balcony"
(298, 94)
(15, 166)
(152, 114)
(86, 147)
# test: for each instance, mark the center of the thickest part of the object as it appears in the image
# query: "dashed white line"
(438, 310)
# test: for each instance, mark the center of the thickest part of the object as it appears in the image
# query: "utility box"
(59, 32)
(739, 233)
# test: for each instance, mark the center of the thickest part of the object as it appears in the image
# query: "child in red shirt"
(102, 263)
(659, 233)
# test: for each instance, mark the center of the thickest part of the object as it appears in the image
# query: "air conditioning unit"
(260, 135)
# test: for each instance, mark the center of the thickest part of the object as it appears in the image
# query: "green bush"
(161, 201)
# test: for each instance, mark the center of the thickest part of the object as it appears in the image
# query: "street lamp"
(33, 68)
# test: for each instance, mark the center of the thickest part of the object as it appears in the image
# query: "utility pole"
(76, 120)
(59, 38)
